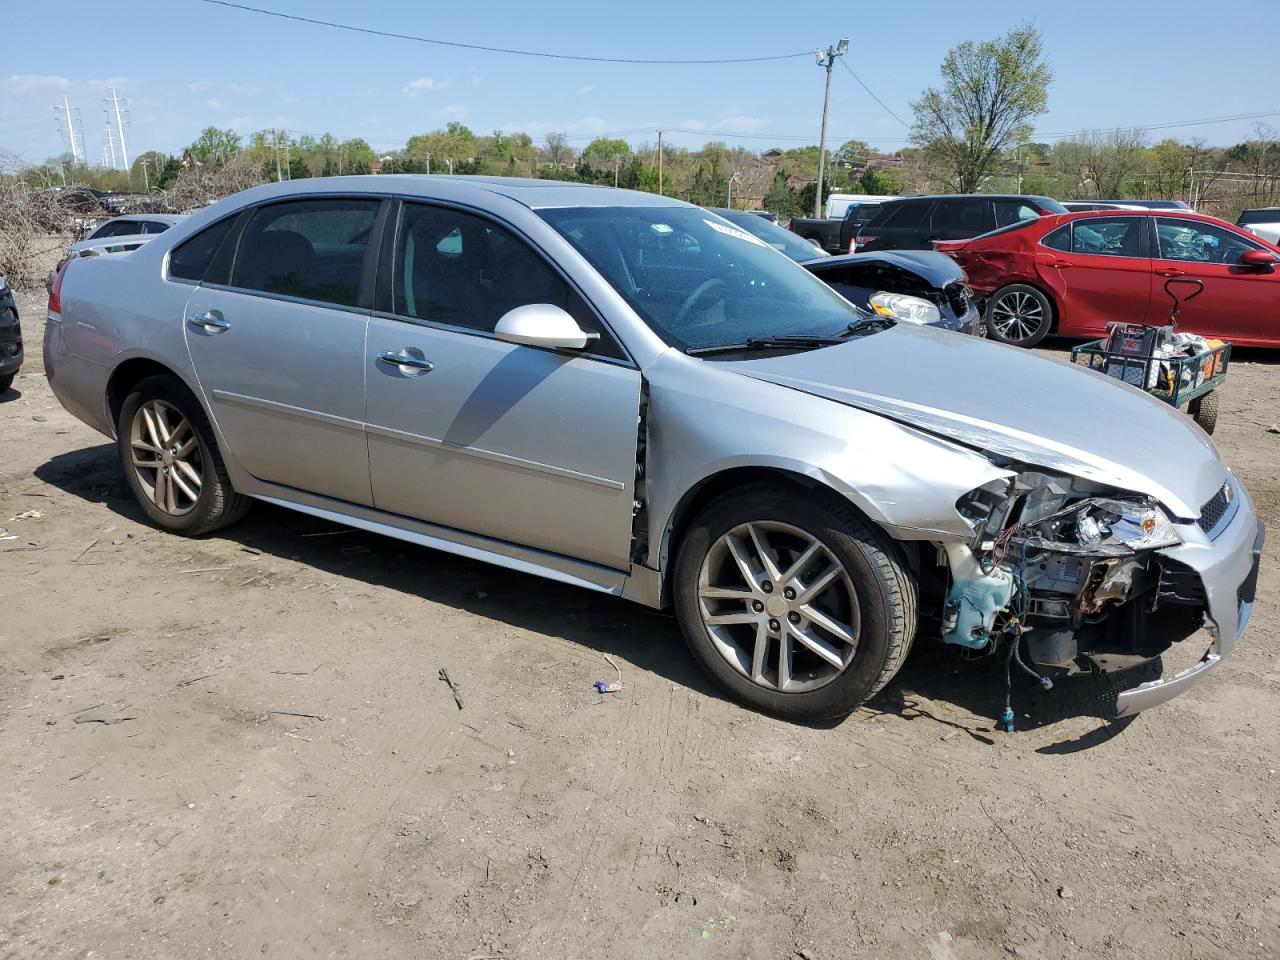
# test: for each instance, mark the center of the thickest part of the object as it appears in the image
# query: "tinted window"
(153, 226)
(864, 212)
(1118, 237)
(966, 217)
(313, 249)
(191, 258)
(1201, 242)
(464, 271)
(904, 216)
(1259, 216)
(116, 228)
(1011, 211)
(1060, 239)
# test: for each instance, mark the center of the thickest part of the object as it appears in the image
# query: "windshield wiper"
(788, 342)
(869, 324)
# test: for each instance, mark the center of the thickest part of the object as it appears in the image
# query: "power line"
(476, 46)
(872, 95)
(1063, 135)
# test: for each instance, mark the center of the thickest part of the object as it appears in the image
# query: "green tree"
(215, 146)
(990, 92)
(781, 199)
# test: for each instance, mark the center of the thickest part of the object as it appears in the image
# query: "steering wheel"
(700, 292)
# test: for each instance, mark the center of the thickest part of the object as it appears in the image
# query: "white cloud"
(423, 85)
(35, 83)
(455, 111)
(118, 82)
(736, 123)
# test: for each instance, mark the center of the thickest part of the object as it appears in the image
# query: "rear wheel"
(171, 459)
(794, 603)
(1019, 315)
(1204, 410)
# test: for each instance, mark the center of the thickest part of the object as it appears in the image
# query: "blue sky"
(185, 65)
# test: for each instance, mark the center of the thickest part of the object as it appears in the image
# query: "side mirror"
(542, 325)
(1257, 258)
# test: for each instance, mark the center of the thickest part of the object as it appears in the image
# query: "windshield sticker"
(733, 232)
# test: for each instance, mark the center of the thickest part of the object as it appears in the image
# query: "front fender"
(705, 420)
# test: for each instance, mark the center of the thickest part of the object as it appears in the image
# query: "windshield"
(780, 238)
(698, 280)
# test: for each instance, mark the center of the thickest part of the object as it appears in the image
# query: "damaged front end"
(1069, 573)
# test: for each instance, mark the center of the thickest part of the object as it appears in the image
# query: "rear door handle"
(1171, 273)
(1060, 264)
(210, 322)
(405, 359)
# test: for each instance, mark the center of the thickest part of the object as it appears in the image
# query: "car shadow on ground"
(646, 638)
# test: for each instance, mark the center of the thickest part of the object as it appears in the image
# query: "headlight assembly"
(908, 309)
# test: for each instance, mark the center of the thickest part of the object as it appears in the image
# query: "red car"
(1073, 273)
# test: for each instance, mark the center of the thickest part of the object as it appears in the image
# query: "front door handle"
(210, 322)
(1171, 273)
(404, 358)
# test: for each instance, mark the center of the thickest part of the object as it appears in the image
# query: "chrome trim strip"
(491, 455)
(302, 413)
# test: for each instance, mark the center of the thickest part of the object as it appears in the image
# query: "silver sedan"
(628, 393)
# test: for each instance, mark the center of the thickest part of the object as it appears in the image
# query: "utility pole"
(617, 158)
(827, 62)
(71, 131)
(146, 180)
(729, 200)
(660, 193)
(428, 164)
(115, 103)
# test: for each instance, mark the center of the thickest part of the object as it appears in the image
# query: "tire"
(1204, 410)
(6, 382)
(1018, 315)
(878, 609)
(183, 426)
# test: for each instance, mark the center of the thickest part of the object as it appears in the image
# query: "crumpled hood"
(1011, 402)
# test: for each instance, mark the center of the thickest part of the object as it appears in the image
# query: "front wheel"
(1018, 315)
(794, 603)
(171, 459)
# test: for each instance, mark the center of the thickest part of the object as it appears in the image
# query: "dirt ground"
(240, 746)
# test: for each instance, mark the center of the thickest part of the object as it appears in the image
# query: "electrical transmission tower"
(68, 122)
(112, 106)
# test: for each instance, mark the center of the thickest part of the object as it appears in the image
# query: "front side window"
(903, 215)
(1109, 237)
(1201, 242)
(460, 270)
(697, 281)
(312, 249)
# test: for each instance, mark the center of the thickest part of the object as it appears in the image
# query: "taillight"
(55, 292)
(866, 241)
(853, 244)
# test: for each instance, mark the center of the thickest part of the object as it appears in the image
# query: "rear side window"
(901, 215)
(311, 249)
(1106, 237)
(116, 228)
(1011, 211)
(191, 258)
(965, 217)
(1059, 239)
(153, 226)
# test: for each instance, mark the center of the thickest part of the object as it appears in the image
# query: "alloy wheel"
(779, 606)
(166, 457)
(1016, 316)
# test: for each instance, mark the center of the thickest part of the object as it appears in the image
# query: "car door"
(1238, 302)
(522, 444)
(278, 345)
(1103, 276)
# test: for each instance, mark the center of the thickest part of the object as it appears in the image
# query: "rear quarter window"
(1059, 239)
(191, 258)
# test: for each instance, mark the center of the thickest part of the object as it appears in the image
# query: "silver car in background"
(628, 393)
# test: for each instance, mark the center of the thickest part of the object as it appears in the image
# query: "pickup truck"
(835, 234)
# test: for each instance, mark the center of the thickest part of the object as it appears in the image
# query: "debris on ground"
(610, 686)
(457, 690)
(105, 716)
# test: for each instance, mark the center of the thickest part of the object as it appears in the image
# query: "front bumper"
(1228, 568)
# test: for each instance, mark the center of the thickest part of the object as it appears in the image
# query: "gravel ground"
(240, 746)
